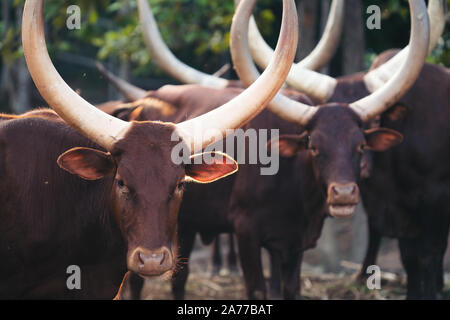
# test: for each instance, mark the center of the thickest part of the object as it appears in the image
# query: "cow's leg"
(371, 254)
(275, 276)
(232, 256)
(186, 243)
(440, 277)
(409, 256)
(217, 257)
(291, 276)
(436, 247)
(429, 271)
(250, 257)
(422, 258)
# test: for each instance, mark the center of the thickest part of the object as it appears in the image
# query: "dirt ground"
(315, 282)
(323, 287)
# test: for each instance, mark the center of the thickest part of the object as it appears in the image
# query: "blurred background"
(197, 31)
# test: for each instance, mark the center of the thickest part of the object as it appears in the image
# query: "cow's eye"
(314, 151)
(181, 185)
(122, 187)
(362, 147)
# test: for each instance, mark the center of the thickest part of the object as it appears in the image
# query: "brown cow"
(124, 210)
(205, 209)
(334, 136)
(396, 208)
(407, 195)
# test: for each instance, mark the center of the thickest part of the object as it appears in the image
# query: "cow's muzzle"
(342, 199)
(149, 263)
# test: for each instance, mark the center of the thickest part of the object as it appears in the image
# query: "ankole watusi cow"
(379, 139)
(113, 203)
(405, 195)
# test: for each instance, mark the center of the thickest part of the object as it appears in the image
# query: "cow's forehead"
(145, 133)
(335, 120)
(146, 150)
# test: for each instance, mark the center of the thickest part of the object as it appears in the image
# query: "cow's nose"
(151, 262)
(343, 193)
(342, 199)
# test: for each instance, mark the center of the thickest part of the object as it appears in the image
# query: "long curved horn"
(166, 59)
(396, 87)
(316, 85)
(328, 44)
(253, 100)
(376, 78)
(86, 118)
(129, 91)
(282, 106)
(322, 53)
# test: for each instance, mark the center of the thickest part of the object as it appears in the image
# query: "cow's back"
(50, 218)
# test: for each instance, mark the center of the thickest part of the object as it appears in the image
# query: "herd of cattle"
(96, 186)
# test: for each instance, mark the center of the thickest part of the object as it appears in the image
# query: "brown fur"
(126, 204)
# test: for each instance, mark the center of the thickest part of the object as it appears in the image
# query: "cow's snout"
(342, 199)
(149, 263)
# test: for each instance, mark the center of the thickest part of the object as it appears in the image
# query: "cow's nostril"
(141, 258)
(334, 190)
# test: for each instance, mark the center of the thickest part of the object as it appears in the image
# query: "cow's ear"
(89, 164)
(123, 113)
(382, 139)
(135, 114)
(289, 145)
(209, 167)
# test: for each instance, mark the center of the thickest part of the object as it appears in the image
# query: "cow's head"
(336, 149)
(142, 159)
(146, 189)
(333, 133)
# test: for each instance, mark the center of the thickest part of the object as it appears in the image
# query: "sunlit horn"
(86, 118)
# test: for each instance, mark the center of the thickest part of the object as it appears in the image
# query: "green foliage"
(441, 53)
(395, 32)
(197, 31)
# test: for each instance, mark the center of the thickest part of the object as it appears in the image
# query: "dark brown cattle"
(69, 214)
(336, 140)
(124, 210)
(407, 195)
